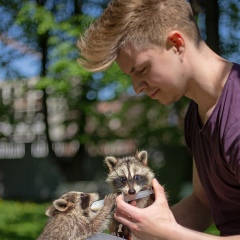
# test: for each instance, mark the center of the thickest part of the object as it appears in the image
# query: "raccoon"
(71, 216)
(129, 175)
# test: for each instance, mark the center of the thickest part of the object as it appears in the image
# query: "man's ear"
(176, 39)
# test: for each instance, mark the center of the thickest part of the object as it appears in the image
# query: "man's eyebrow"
(133, 69)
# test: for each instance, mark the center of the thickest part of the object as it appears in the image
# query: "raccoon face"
(78, 202)
(130, 174)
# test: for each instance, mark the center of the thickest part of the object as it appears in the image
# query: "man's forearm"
(192, 213)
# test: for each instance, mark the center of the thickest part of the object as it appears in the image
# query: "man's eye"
(142, 70)
(123, 179)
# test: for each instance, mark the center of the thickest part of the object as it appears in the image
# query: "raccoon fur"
(71, 217)
(129, 175)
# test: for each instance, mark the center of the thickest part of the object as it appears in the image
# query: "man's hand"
(153, 222)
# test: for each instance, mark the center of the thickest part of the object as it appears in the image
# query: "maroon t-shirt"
(216, 150)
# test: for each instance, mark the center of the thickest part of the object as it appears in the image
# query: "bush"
(213, 231)
(21, 220)
(25, 221)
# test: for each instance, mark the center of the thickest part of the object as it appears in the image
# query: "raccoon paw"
(109, 199)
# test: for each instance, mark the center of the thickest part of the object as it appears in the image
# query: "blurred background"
(58, 122)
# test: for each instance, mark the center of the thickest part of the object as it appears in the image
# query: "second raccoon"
(130, 175)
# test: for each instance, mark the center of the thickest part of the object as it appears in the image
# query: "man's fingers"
(123, 206)
(158, 191)
(124, 212)
(127, 213)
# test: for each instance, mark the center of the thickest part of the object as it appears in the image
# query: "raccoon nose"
(131, 191)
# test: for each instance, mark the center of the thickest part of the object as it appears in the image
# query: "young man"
(157, 43)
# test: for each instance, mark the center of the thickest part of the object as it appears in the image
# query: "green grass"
(25, 221)
(21, 220)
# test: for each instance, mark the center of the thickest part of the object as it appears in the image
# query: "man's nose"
(139, 85)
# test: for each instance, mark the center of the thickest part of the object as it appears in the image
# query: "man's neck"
(209, 75)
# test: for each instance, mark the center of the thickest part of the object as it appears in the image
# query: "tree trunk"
(212, 21)
(72, 168)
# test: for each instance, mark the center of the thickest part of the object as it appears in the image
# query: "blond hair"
(142, 23)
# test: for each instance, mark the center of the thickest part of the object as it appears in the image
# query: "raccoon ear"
(50, 211)
(60, 204)
(111, 162)
(142, 156)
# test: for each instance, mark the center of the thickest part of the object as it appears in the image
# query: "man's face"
(157, 73)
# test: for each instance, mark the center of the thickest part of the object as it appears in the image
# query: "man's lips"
(153, 95)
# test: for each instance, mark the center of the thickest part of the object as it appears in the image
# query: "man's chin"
(165, 103)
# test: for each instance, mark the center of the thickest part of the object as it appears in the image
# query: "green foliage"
(213, 230)
(21, 220)
(229, 29)
(31, 13)
(25, 220)
(56, 87)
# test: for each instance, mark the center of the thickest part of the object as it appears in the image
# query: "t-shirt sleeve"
(231, 146)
